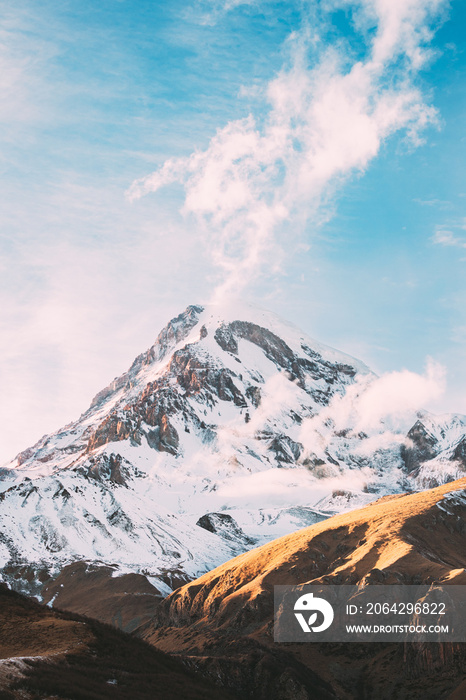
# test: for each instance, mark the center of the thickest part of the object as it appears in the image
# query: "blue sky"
(365, 251)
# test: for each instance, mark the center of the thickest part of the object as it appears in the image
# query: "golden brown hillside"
(223, 620)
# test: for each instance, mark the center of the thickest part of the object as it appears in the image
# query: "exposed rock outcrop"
(225, 526)
(421, 446)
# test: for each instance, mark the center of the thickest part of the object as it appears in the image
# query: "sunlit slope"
(400, 539)
(225, 618)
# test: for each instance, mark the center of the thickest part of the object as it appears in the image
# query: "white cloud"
(386, 404)
(279, 396)
(402, 28)
(396, 394)
(280, 487)
(445, 236)
(231, 4)
(323, 123)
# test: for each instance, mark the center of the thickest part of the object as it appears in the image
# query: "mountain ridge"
(223, 621)
(229, 426)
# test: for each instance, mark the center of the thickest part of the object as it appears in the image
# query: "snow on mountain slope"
(228, 432)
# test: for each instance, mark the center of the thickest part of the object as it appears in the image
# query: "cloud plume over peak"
(321, 124)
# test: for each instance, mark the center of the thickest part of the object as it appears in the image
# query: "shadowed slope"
(125, 601)
(47, 653)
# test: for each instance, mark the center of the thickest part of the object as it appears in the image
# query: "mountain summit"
(226, 433)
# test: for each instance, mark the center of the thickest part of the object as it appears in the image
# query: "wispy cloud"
(322, 123)
(440, 203)
(211, 11)
(450, 235)
(380, 408)
(24, 91)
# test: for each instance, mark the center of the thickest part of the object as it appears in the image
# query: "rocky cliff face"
(435, 446)
(225, 434)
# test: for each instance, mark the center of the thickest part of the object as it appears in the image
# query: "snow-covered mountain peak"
(215, 317)
(208, 339)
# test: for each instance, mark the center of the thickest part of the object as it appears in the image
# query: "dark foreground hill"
(46, 653)
(223, 622)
